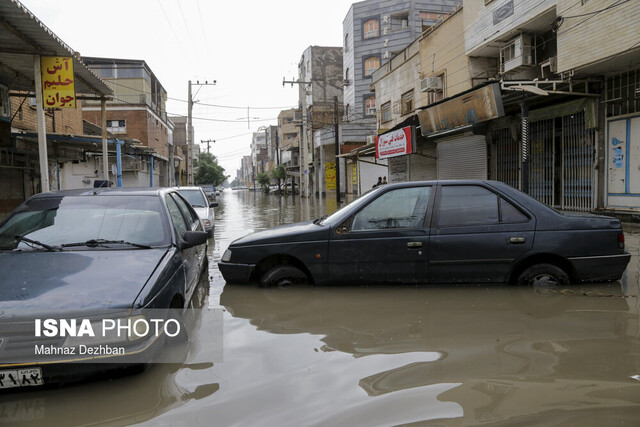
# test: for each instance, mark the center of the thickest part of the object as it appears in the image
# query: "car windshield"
(194, 197)
(56, 221)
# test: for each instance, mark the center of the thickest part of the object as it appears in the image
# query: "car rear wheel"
(283, 275)
(543, 275)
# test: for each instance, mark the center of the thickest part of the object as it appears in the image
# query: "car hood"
(290, 233)
(42, 282)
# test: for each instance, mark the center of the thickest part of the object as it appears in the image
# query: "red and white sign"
(392, 144)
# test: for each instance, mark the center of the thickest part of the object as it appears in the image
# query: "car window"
(189, 214)
(509, 214)
(72, 219)
(195, 197)
(176, 216)
(467, 205)
(401, 208)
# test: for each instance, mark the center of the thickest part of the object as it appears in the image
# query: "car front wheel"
(543, 275)
(283, 275)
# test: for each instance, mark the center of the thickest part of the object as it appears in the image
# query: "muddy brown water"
(431, 355)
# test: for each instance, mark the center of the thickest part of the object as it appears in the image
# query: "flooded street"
(434, 355)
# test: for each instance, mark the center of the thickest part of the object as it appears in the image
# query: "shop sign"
(476, 106)
(58, 87)
(394, 143)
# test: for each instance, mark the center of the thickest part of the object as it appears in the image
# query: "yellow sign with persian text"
(330, 175)
(58, 86)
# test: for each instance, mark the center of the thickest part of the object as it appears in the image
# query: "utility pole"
(208, 141)
(190, 149)
(337, 141)
(304, 165)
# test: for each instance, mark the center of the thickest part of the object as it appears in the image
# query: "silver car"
(198, 199)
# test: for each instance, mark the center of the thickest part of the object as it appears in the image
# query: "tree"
(279, 173)
(209, 171)
(264, 180)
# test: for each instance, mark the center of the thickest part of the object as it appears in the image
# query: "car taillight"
(621, 240)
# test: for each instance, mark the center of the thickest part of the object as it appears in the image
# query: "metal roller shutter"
(462, 157)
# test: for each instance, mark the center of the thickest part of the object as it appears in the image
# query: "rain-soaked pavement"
(432, 355)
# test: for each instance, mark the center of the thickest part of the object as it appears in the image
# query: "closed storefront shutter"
(462, 157)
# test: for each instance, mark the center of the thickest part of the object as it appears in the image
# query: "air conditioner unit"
(430, 84)
(517, 54)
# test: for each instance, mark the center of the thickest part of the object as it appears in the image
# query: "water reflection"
(503, 348)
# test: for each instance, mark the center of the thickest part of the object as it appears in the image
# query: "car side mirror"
(193, 238)
(213, 204)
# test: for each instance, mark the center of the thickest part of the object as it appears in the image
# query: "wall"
(67, 120)
(481, 29)
(442, 52)
(583, 41)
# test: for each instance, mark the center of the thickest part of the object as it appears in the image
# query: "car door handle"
(517, 240)
(414, 244)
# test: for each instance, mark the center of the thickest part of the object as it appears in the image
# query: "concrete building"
(181, 150)
(137, 111)
(571, 69)
(289, 137)
(374, 31)
(320, 77)
(430, 69)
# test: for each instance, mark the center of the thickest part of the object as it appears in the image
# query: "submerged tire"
(283, 275)
(543, 275)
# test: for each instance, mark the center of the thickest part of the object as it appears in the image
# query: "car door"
(386, 241)
(476, 234)
(185, 219)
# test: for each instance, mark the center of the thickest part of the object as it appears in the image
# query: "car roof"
(123, 191)
(187, 188)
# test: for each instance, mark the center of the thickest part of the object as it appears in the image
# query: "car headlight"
(227, 256)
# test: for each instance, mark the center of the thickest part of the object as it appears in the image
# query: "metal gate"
(578, 153)
(507, 157)
(541, 161)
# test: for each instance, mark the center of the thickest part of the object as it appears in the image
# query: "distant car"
(92, 251)
(196, 196)
(209, 191)
(434, 232)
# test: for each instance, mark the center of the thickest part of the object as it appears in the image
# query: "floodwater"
(350, 356)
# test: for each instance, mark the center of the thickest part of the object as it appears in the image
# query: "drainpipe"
(150, 171)
(119, 144)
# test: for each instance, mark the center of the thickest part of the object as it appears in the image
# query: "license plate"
(21, 377)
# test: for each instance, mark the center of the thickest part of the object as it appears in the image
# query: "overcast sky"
(246, 46)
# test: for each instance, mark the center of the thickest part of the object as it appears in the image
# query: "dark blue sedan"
(434, 232)
(77, 255)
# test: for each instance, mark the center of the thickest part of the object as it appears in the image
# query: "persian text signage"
(473, 107)
(58, 86)
(394, 143)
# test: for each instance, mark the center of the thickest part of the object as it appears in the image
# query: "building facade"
(137, 111)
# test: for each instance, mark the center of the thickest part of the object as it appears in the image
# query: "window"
(176, 216)
(371, 29)
(385, 112)
(462, 205)
(370, 106)
(402, 208)
(371, 64)
(467, 205)
(400, 21)
(117, 126)
(407, 102)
